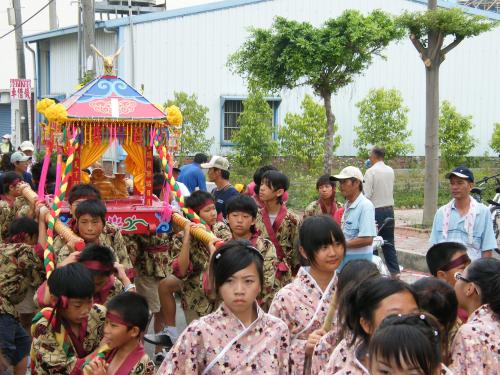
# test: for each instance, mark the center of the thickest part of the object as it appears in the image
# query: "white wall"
(189, 54)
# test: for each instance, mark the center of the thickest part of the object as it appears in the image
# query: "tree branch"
(437, 48)
(452, 45)
(420, 48)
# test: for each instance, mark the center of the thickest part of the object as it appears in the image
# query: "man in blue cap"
(463, 219)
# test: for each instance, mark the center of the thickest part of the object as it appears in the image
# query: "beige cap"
(218, 162)
(349, 172)
(27, 146)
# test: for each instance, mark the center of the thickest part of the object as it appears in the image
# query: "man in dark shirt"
(191, 174)
(218, 172)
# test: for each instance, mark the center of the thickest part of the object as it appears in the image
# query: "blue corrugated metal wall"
(4, 119)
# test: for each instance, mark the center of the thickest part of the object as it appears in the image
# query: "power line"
(18, 26)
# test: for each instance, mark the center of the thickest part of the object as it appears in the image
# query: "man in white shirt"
(379, 187)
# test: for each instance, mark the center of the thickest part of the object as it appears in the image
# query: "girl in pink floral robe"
(238, 338)
(407, 344)
(476, 346)
(362, 308)
(353, 273)
(303, 304)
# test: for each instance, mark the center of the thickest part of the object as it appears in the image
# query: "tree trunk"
(431, 143)
(330, 122)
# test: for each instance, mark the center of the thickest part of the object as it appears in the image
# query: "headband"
(14, 183)
(18, 238)
(115, 318)
(96, 265)
(455, 263)
(200, 207)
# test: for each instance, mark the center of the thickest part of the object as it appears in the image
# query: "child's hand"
(72, 258)
(211, 245)
(96, 367)
(313, 339)
(120, 270)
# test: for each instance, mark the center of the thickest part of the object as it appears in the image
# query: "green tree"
(495, 139)
(455, 140)
(253, 141)
(193, 137)
(302, 136)
(383, 122)
(428, 32)
(327, 58)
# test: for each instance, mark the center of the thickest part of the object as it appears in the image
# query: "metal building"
(187, 49)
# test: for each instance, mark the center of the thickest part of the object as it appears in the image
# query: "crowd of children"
(278, 297)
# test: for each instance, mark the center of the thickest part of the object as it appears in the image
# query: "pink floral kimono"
(303, 306)
(219, 343)
(476, 347)
(343, 361)
(324, 349)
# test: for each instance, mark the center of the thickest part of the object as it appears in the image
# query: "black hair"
(158, 183)
(440, 255)
(360, 183)
(276, 180)
(5, 164)
(325, 180)
(23, 225)
(197, 198)
(411, 339)
(438, 298)
(200, 158)
(318, 231)
(257, 176)
(355, 272)
(157, 167)
(92, 207)
(232, 257)
(102, 254)
(9, 178)
(361, 301)
(485, 273)
(223, 173)
(85, 191)
(132, 308)
(36, 172)
(242, 203)
(352, 274)
(73, 280)
(379, 152)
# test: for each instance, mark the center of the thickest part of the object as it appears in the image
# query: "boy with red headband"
(275, 222)
(189, 262)
(90, 225)
(109, 234)
(65, 336)
(101, 262)
(20, 267)
(12, 203)
(126, 321)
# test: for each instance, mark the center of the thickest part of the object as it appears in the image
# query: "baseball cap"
(18, 156)
(217, 162)
(27, 146)
(349, 172)
(462, 172)
(7, 136)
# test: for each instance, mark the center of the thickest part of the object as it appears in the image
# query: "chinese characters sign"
(20, 89)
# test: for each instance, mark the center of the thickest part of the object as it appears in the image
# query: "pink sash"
(129, 363)
(271, 231)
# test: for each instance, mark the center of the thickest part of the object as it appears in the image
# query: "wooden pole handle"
(64, 231)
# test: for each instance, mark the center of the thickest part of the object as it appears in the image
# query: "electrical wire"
(18, 26)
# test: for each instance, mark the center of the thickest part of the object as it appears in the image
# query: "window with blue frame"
(231, 107)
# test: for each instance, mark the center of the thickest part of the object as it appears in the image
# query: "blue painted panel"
(4, 119)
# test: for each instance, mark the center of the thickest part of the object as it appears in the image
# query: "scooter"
(494, 204)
